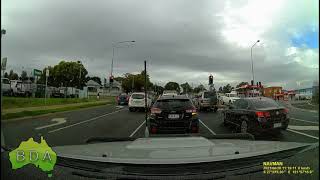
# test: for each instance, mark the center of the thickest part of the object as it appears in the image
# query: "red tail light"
(153, 130)
(155, 111)
(195, 129)
(286, 111)
(262, 114)
(117, 98)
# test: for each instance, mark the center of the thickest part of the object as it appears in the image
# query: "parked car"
(20, 88)
(6, 87)
(173, 114)
(137, 101)
(122, 99)
(207, 100)
(229, 98)
(255, 115)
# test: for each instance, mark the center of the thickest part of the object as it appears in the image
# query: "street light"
(113, 46)
(252, 60)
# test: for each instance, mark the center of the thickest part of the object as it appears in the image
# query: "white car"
(229, 98)
(137, 101)
(6, 87)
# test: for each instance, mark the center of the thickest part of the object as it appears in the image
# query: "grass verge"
(23, 102)
(47, 111)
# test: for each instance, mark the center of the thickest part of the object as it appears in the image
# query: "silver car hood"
(173, 150)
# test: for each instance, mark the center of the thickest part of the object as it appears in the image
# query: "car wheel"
(285, 127)
(244, 127)
(130, 109)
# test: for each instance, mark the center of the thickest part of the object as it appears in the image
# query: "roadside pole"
(45, 92)
(146, 132)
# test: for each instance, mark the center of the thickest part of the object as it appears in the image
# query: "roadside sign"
(37, 72)
(4, 63)
(47, 73)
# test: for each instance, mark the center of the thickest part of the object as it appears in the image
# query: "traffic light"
(210, 79)
(111, 79)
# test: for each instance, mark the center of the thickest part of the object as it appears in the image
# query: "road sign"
(47, 72)
(4, 63)
(37, 72)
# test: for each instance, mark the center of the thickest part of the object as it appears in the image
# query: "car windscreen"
(137, 96)
(173, 103)
(264, 103)
(209, 94)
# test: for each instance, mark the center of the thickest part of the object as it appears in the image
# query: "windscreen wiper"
(109, 139)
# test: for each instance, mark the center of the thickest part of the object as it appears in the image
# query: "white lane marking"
(119, 107)
(207, 127)
(57, 120)
(302, 134)
(304, 128)
(304, 121)
(92, 119)
(135, 131)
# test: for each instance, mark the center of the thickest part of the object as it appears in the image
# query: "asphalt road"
(116, 121)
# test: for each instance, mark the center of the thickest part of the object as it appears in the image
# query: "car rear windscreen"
(137, 96)
(173, 104)
(264, 103)
(209, 94)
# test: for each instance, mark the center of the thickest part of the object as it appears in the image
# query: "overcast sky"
(181, 40)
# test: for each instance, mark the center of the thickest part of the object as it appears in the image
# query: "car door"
(241, 111)
(234, 112)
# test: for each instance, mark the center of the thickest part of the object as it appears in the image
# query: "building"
(93, 86)
(307, 93)
(250, 90)
(274, 92)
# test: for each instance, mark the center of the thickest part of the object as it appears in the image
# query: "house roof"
(92, 83)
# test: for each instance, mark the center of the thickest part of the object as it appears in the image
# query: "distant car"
(137, 101)
(207, 100)
(256, 115)
(6, 87)
(229, 98)
(173, 114)
(122, 99)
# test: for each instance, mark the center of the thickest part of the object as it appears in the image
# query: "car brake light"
(194, 129)
(155, 111)
(262, 114)
(153, 130)
(117, 98)
(286, 111)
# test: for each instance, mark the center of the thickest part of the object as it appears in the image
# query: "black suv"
(172, 114)
(256, 115)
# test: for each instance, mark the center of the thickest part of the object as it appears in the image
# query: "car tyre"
(130, 109)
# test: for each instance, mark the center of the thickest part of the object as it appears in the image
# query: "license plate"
(276, 125)
(173, 116)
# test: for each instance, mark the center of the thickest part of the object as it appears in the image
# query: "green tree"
(6, 75)
(172, 86)
(199, 88)
(220, 89)
(186, 87)
(13, 75)
(158, 89)
(242, 84)
(94, 78)
(227, 88)
(131, 82)
(66, 74)
(24, 76)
